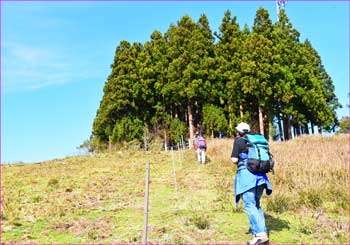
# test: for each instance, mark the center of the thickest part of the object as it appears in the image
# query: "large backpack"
(259, 157)
(201, 142)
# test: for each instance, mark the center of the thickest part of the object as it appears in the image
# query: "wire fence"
(182, 145)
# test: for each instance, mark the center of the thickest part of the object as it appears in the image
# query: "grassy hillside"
(100, 199)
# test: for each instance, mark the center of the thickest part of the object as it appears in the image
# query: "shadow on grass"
(276, 224)
(273, 224)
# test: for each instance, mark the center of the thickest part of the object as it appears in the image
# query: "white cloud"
(28, 55)
(26, 67)
(41, 47)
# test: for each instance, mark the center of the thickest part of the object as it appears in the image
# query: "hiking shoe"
(260, 239)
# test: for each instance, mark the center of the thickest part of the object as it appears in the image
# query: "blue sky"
(56, 56)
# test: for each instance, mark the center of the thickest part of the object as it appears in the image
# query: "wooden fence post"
(174, 169)
(145, 219)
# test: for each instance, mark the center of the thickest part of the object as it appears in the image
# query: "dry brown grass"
(310, 171)
(311, 181)
(313, 171)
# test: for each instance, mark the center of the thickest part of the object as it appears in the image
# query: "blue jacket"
(245, 180)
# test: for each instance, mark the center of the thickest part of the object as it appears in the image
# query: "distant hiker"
(250, 186)
(200, 147)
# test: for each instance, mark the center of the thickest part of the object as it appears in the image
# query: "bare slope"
(100, 199)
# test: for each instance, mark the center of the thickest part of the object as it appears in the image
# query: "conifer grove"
(190, 78)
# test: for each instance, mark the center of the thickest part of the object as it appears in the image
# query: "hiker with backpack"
(251, 154)
(194, 144)
(200, 147)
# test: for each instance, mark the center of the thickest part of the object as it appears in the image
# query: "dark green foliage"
(229, 55)
(183, 79)
(177, 129)
(127, 129)
(344, 125)
(214, 119)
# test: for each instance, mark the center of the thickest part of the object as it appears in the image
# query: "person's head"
(243, 128)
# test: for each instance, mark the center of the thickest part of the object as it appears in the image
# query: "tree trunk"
(261, 121)
(241, 111)
(253, 118)
(297, 129)
(280, 127)
(229, 118)
(176, 112)
(312, 128)
(294, 130)
(286, 126)
(254, 123)
(109, 143)
(266, 129)
(320, 130)
(165, 141)
(190, 120)
(306, 129)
